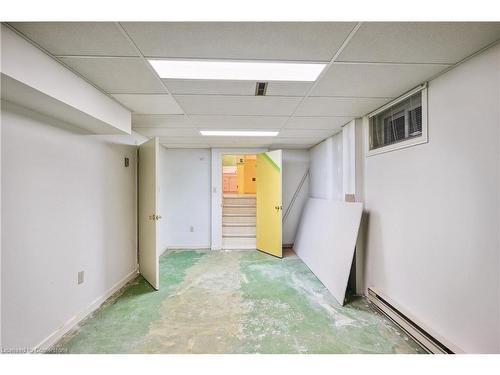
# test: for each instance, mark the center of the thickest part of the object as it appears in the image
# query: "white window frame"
(413, 141)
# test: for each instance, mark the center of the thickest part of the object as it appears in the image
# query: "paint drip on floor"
(234, 302)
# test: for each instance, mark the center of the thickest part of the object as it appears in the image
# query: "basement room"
(229, 186)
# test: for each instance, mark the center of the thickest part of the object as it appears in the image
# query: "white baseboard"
(66, 327)
(429, 340)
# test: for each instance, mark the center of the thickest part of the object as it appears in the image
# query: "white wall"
(433, 239)
(185, 198)
(295, 165)
(326, 169)
(68, 204)
(349, 159)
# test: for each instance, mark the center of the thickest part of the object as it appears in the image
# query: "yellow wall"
(245, 171)
(240, 172)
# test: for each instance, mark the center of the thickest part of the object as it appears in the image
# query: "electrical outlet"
(81, 275)
(191, 228)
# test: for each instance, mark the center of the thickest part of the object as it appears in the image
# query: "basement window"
(399, 124)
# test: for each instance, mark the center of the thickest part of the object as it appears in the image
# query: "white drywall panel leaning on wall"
(326, 239)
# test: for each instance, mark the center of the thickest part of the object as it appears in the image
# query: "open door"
(269, 203)
(149, 266)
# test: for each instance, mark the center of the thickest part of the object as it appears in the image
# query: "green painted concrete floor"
(233, 302)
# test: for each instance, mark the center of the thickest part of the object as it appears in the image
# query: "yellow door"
(269, 205)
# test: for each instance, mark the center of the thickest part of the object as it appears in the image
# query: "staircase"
(238, 221)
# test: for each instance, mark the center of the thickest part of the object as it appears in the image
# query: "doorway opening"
(239, 189)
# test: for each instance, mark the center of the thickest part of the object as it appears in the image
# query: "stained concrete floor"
(234, 302)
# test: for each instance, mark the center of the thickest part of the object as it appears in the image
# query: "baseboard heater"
(424, 339)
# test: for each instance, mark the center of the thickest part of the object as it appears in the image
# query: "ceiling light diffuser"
(239, 133)
(237, 70)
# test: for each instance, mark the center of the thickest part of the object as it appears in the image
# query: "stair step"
(238, 219)
(239, 242)
(239, 205)
(240, 200)
(239, 196)
(238, 230)
(241, 209)
(238, 236)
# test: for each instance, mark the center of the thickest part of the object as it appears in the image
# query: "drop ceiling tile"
(218, 141)
(238, 122)
(237, 105)
(228, 87)
(288, 88)
(335, 106)
(210, 87)
(240, 141)
(168, 132)
(183, 140)
(149, 103)
(278, 146)
(298, 142)
(244, 142)
(185, 145)
(77, 38)
(419, 42)
(374, 80)
(333, 123)
(160, 121)
(308, 41)
(117, 75)
(306, 133)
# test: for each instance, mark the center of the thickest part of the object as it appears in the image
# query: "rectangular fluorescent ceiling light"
(239, 133)
(237, 70)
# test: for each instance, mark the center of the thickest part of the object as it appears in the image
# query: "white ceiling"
(155, 104)
(368, 66)
(308, 41)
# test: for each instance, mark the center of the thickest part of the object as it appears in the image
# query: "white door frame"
(217, 188)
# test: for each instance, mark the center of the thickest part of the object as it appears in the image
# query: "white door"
(149, 266)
